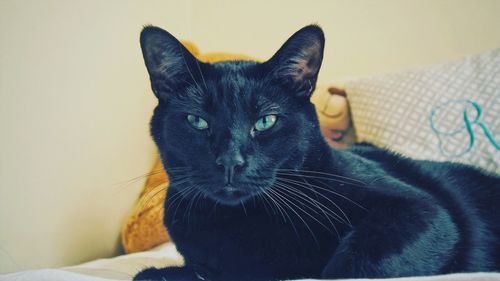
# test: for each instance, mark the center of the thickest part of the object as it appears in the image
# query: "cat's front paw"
(166, 274)
(148, 274)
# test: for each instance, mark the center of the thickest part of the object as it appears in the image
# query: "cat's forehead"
(236, 79)
(231, 88)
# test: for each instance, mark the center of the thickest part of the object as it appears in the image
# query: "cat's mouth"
(231, 195)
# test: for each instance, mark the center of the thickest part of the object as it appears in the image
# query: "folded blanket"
(126, 266)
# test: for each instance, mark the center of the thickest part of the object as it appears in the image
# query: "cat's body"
(268, 199)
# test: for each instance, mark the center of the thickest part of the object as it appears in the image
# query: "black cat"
(257, 194)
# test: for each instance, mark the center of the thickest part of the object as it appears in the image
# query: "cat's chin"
(231, 197)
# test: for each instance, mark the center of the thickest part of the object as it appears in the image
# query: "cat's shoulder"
(372, 152)
(396, 162)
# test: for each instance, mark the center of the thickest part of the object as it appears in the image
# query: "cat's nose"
(230, 161)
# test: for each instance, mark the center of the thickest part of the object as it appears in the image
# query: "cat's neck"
(320, 156)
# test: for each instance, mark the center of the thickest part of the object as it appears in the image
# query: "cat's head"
(225, 129)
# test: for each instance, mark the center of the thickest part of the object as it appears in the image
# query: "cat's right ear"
(296, 64)
(169, 63)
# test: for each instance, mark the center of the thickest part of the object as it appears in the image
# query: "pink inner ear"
(302, 71)
(307, 65)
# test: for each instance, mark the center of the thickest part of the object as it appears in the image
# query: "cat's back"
(444, 180)
(469, 194)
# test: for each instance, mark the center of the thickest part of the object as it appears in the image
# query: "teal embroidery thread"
(468, 125)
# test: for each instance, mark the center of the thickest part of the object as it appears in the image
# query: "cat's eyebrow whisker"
(201, 74)
(310, 187)
(189, 70)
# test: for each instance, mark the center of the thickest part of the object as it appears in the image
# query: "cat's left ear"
(296, 64)
(169, 63)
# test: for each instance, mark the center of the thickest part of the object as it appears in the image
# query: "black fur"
(283, 204)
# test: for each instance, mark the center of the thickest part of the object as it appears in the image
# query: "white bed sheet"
(126, 266)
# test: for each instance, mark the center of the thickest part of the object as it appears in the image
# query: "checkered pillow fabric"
(443, 112)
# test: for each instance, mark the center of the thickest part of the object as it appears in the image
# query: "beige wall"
(75, 100)
(363, 37)
(74, 110)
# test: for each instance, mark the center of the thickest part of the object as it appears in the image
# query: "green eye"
(265, 122)
(197, 122)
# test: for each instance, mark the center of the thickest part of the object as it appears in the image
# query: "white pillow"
(432, 112)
